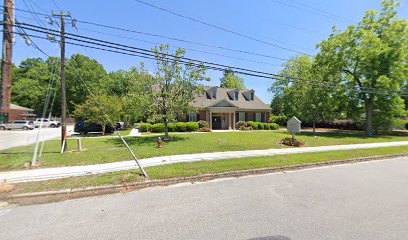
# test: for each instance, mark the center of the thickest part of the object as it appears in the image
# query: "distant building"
(20, 113)
(223, 107)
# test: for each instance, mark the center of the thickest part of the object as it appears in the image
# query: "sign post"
(293, 126)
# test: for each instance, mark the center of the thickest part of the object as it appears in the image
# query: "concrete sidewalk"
(75, 171)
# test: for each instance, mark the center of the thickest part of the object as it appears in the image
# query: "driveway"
(355, 201)
(15, 138)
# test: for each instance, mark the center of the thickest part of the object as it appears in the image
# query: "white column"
(234, 120)
(229, 121)
(210, 120)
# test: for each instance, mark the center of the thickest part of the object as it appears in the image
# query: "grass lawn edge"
(63, 194)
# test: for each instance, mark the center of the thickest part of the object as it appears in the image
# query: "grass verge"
(105, 150)
(204, 167)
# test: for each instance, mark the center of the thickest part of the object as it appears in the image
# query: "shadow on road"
(278, 237)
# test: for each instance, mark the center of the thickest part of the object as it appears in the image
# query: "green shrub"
(191, 126)
(171, 127)
(203, 124)
(239, 124)
(145, 127)
(280, 120)
(180, 127)
(288, 141)
(273, 126)
(400, 123)
(252, 124)
(261, 126)
(158, 128)
(267, 126)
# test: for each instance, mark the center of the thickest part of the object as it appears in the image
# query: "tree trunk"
(369, 117)
(314, 128)
(166, 128)
(103, 129)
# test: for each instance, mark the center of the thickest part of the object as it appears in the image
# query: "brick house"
(223, 107)
(20, 113)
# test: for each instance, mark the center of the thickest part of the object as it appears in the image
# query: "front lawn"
(204, 167)
(105, 150)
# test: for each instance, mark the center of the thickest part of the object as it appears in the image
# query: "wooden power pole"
(63, 94)
(6, 62)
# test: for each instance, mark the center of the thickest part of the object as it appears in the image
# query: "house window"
(241, 116)
(236, 96)
(252, 96)
(192, 117)
(214, 93)
(257, 117)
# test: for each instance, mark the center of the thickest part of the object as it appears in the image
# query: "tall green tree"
(100, 109)
(230, 80)
(137, 98)
(30, 83)
(83, 75)
(372, 57)
(173, 86)
(304, 92)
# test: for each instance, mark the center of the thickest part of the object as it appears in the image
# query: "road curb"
(90, 191)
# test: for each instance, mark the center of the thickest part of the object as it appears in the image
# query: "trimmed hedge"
(252, 124)
(273, 126)
(158, 128)
(180, 127)
(171, 127)
(145, 127)
(267, 126)
(191, 126)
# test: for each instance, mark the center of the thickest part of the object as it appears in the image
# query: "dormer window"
(252, 96)
(236, 96)
(214, 93)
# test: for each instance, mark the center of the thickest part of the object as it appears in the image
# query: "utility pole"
(6, 62)
(63, 95)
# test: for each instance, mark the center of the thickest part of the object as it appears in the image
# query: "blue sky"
(286, 23)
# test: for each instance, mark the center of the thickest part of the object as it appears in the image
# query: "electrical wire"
(151, 54)
(220, 28)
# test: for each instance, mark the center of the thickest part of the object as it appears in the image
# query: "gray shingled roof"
(20, 108)
(205, 100)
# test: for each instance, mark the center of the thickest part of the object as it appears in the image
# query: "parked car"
(45, 122)
(85, 128)
(17, 124)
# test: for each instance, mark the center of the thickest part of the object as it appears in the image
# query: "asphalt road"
(15, 138)
(357, 201)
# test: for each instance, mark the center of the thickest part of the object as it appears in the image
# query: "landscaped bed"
(199, 168)
(105, 150)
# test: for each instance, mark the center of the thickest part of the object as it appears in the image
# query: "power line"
(220, 28)
(217, 67)
(175, 46)
(151, 54)
(321, 11)
(164, 37)
(310, 10)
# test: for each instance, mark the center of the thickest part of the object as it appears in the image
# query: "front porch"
(221, 119)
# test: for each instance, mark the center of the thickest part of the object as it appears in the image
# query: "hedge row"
(173, 127)
(256, 126)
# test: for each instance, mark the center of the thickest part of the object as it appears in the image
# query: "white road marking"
(4, 212)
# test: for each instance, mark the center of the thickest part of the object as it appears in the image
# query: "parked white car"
(45, 122)
(17, 124)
